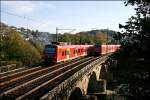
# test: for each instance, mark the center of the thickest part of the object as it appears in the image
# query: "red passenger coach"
(105, 49)
(58, 53)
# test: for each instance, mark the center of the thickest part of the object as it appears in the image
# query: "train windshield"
(97, 46)
(49, 49)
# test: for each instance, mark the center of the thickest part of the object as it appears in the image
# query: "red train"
(57, 53)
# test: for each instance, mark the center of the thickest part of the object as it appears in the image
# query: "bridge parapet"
(62, 90)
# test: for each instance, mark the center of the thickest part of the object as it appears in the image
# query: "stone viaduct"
(85, 84)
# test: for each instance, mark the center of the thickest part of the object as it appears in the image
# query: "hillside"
(34, 36)
(90, 37)
(110, 33)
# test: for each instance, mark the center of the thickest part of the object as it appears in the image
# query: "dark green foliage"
(130, 64)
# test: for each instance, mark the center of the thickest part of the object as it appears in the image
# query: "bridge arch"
(92, 83)
(76, 94)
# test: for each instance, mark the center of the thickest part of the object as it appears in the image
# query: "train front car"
(49, 53)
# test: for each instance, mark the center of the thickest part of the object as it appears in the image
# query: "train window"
(49, 49)
(97, 46)
(78, 50)
(63, 53)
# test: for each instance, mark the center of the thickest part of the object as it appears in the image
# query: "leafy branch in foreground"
(130, 64)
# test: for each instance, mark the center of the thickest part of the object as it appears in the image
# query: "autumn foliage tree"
(15, 48)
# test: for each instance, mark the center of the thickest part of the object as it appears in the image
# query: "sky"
(45, 16)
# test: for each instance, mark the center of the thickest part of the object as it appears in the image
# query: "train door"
(76, 50)
(68, 53)
(84, 51)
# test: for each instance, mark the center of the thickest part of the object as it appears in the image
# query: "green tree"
(130, 64)
(62, 38)
(77, 38)
(101, 38)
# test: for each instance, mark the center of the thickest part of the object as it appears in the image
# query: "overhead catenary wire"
(23, 17)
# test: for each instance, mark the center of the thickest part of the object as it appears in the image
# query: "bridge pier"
(101, 85)
(99, 92)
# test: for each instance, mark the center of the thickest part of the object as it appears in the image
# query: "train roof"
(61, 46)
(74, 45)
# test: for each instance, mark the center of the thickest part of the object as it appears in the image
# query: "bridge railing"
(63, 89)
